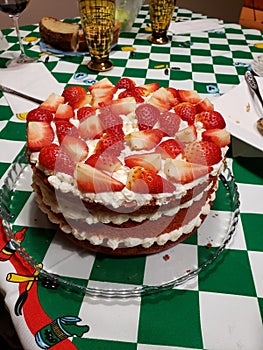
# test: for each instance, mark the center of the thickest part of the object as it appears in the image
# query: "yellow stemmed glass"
(161, 13)
(98, 20)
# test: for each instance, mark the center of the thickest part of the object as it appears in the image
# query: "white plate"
(47, 48)
(241, 110)
(257, 65)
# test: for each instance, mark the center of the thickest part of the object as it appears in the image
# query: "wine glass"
(13, 8)
(161, 13)
(98, 20)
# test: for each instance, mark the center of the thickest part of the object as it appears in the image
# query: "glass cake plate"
(60, 264)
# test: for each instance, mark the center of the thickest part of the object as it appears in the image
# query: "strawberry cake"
(125, 169)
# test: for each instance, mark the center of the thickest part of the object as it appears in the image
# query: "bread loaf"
(67, 36)
(60, 35)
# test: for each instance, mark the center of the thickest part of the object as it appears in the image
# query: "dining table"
(204, 293)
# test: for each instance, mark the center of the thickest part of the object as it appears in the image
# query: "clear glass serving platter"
(60, 264)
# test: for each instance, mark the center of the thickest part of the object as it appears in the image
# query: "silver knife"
(20, 94)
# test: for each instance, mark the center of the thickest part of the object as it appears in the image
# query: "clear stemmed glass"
(13, 8)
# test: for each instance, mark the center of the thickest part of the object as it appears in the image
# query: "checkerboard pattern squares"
(227, 297)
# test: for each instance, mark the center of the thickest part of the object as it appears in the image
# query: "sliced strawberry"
(52, 102)
(149, 88)
(53, 158)
(76, 148)
(184, 172)
(219, 136)
(204, 105)
(144, 139)
(151, 161)
(174, 93)
(147, 116)
(63, 128)
(90, 127)
(125, 83)
(142, 180)
(104, 161)
(111, 122)
(211, 120)
(137, 92)
(203, 152)
(164, 99)
(65, 164)
(110, 143)
(186, 135)
(102, 92)
(39, 115)
(75, 96)
(169, 123)
(93, 180)
(186, 111)
(191, 96)
(169, 148)
(123, 106)
(39, 134)
(104, 83)
(64, 112)
(85, 112)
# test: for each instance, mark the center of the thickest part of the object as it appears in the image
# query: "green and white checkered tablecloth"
(222, 307)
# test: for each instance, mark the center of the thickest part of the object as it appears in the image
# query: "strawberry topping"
(111, 122)
(147, 116)
(85, 112)
(104, 161)
(64, 112)
(63, 128)
(203, 152)
(144, 132)
(39, 134)
(136, 92)
(110, 143)
(75, 96)
(93, 180)
(169, 123)
(211, 120)
(125, 83)
(186, 111)
(169, 148)
(141, 180)
(53, 158)
(39, 115)
(151, 161)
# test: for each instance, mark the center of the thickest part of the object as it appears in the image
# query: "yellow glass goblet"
(161, 13)
(98, 19)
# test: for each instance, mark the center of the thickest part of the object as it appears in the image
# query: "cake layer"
(149, 231)
(75, 208)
